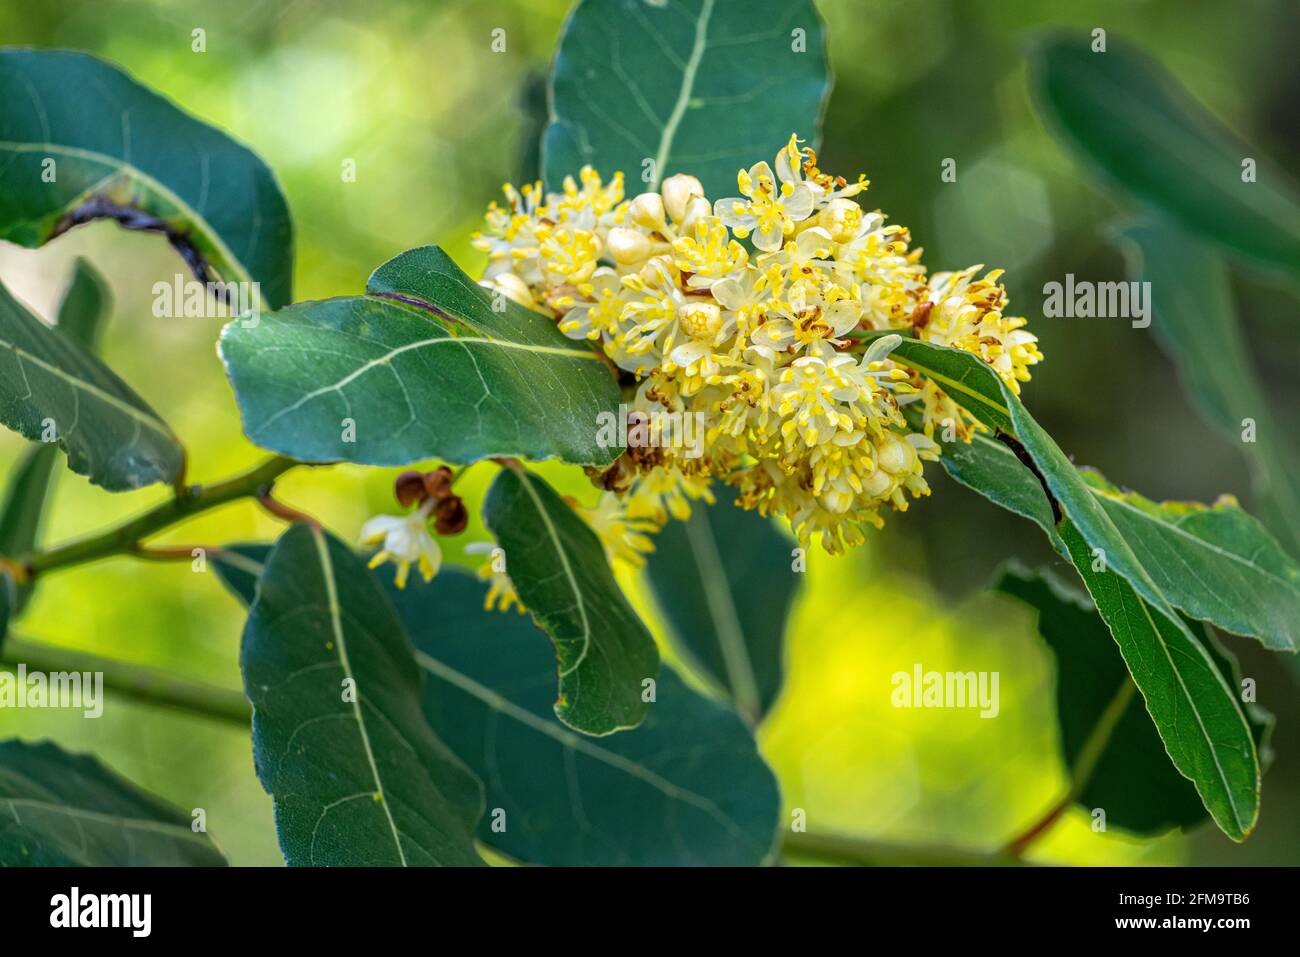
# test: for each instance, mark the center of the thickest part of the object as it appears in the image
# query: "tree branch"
(133, 681)
(189, 501)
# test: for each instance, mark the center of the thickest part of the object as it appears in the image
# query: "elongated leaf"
(560, 798)
(1197, 326)
(64, 810)
(81, 140)
(1213, 563)
(423, 366)
(705, 87)
(339, 740)
(1103, 723)
(49, 384)
(86, 305)
(84, 310)
(558, 566)
(1134, 125)
(724, 579)
(1197, 715)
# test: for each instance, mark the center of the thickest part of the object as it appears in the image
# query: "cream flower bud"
(697, 207)
(678, 191)
(842, 218)
(647, 210)
(877, 483)
(894, 455)
(512, 287)
(627, 247)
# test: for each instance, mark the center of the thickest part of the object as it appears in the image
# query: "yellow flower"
(767, 210)
(626, 537)
(501, 594)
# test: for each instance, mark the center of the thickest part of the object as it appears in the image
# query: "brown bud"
(438, 482)
(409, 489)
(617, 478)
(450, 516)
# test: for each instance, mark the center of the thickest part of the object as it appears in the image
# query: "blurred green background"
(436, 122)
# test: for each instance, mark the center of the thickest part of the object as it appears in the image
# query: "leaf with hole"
(81, 140)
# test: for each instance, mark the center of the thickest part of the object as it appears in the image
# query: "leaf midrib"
(340, 646)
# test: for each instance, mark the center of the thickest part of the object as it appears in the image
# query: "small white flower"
(406, 541)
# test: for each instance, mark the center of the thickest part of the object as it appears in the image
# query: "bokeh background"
(436, 122)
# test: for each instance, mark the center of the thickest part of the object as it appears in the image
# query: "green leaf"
(1213, 563)
(724, 580)
(1110, 746)
(339, 740)
(421, 367)
(86, 305)
(1197, 326)
(695, 86)
(110, 434)
(637, 798)
(240, 566)
(84, 310)
(63, 810)
(1133, 124)
(559, 569)
(81, 140)
(1195, 712)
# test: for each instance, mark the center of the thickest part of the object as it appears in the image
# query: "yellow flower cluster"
(754, 314)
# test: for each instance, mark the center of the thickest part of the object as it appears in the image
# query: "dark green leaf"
(339, 740)
(643, 797)
(240, 566)
(422, 367)
(724, 580)
(559, 569)
(81, 140)
(705, 87)
(1110, 745)
(1214, 563)
(1197, 326)
(84, 310)
(1140, 130)
(1194, 710)
(66, 810)
(48, 379)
